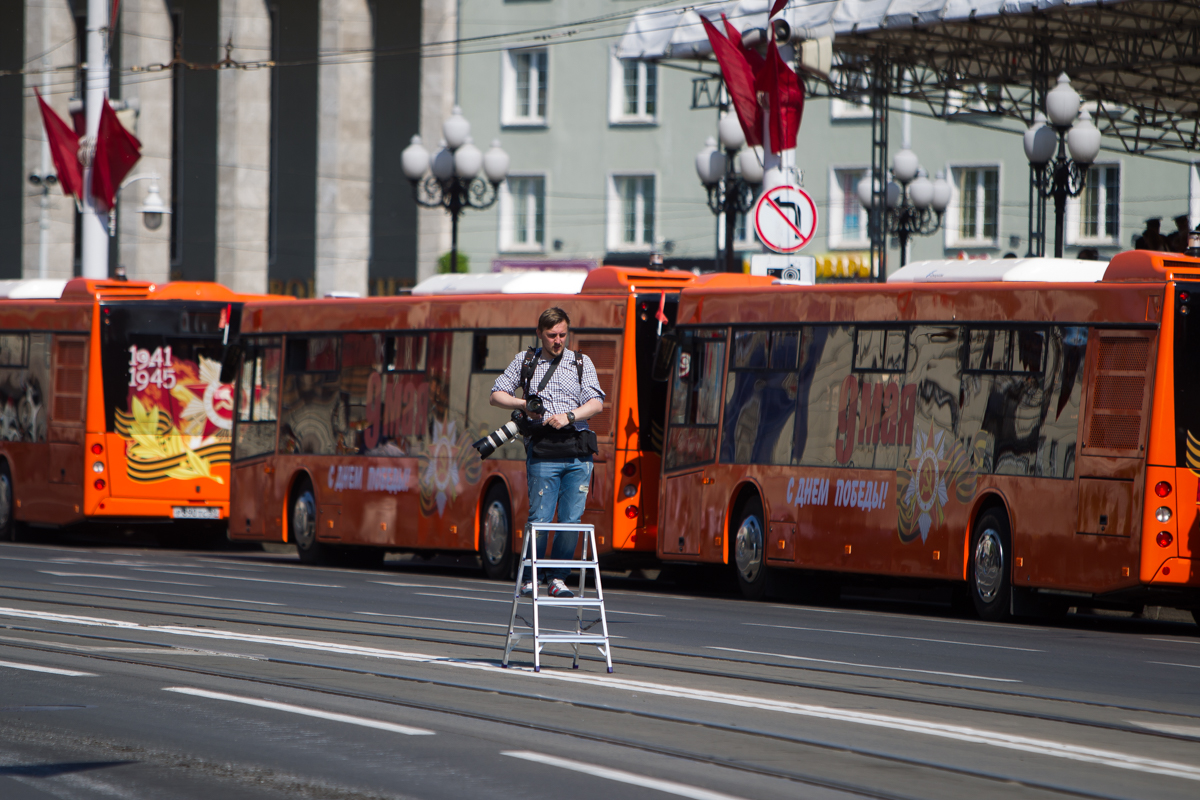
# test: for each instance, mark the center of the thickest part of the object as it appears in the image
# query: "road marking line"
(433, 619)
(115, 578)
(432, 586)
(866, 666)
(461, 597)
(957, 733)
(169, 594)
(1172, 664)
(237, 578)
(1172, 641)
(51, 670)
(932, 620)
(621, 776)
(307, 712)
(1178, 730)
(893, 636)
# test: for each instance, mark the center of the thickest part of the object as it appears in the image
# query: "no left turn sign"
(785, 218)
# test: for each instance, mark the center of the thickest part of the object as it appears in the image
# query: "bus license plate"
(195, 512)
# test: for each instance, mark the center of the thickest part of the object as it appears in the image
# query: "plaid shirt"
(563, 392)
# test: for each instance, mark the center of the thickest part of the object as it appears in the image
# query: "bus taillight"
(100, 484)
(629, 470)
(1162, 488)
(97, 448)
(1164, 539)
(631, 511)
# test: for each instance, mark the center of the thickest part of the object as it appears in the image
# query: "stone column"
(244, 149)
(344, 148)
(146, 40)
(439, 66)
(47, 24)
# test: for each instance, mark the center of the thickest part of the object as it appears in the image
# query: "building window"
(634, 91)
(1097, 210)
(847, 217)
(974, 215)
(525, 81)
(523, 213)
(631, 212)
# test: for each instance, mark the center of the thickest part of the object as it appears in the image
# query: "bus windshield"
(161, 367)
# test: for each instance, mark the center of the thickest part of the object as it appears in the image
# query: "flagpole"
(95, 221)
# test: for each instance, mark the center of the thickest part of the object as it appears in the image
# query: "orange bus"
(111, 405)
(1036, 442)
(355, 420)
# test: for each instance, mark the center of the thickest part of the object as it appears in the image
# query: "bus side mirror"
(230, 362)
(664, 357)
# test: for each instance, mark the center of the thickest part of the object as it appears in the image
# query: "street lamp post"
(915, 204)
(152, 209)
(450, 178)
(730, 191)
(1065, 177)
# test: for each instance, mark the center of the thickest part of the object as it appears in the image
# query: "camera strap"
(546, 378)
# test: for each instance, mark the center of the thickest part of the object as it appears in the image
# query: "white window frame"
(951, 218)
(616, 217)
(616, 93)
(837, 240)
(1074, 218)
(508, 214)
(509, 113)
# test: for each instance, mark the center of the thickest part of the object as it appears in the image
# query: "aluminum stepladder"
(588, 561)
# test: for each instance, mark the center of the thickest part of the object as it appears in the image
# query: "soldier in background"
(1151, 238)
(1178, 240)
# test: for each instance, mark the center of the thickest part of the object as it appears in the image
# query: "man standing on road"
(558, 467)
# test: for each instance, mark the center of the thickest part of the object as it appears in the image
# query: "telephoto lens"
(497, 438)
(534, 405)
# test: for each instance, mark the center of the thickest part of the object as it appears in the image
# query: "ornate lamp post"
(450, 178)
(1064, 177)
(915, 204)
(730, 192)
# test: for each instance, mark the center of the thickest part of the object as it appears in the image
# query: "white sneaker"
(559, 589)
(527, 589)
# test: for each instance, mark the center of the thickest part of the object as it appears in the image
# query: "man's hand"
(558, 421)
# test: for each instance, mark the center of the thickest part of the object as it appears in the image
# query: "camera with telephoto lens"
(520, 425)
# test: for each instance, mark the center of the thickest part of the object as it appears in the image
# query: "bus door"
(1120, 375)
(603, 350)
(66, 429)
(691, 508)
(254, 441)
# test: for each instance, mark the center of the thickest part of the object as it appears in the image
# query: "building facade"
(273, 130)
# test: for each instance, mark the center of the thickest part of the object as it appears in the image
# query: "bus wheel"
(748, 550)
(495, 539)
(302, 524)
(988, 572)
(8, 525)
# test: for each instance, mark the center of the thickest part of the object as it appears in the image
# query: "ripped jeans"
(560, 483)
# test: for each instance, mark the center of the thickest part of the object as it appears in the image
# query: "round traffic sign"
(785, 218)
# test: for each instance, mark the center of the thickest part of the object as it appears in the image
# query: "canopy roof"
(1138, 61)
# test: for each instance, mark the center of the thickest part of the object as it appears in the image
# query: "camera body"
(520, 425)
(535, 405)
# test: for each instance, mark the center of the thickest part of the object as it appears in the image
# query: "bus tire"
(302, 524)
(748, 544)
(8, 524)
(495, 534)
(989, 571)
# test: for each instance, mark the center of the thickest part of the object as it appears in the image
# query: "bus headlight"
(1163, 514)
(98, 466)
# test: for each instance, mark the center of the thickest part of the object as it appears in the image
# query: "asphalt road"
(165, 674)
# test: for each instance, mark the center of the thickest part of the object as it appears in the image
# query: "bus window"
(492, 353)
(257, 398)
(651, 394)
(880, 350)
(313, 418)
(760, 398)
(1060, 408)
(22, 413)
(695, 399)
(13, 350)
(1001, 396)
(1187, 382)
(405, 353)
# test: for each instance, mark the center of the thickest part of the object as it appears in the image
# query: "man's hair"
(551, 317)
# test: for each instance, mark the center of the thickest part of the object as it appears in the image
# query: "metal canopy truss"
(1137, 64)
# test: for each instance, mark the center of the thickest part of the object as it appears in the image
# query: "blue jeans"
(560, 484)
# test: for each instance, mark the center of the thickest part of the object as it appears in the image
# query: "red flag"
(661, 315)
(739, 79)
(735, 36)
(117, 150)
(786, 95)
(775, 9)
(64, 149)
